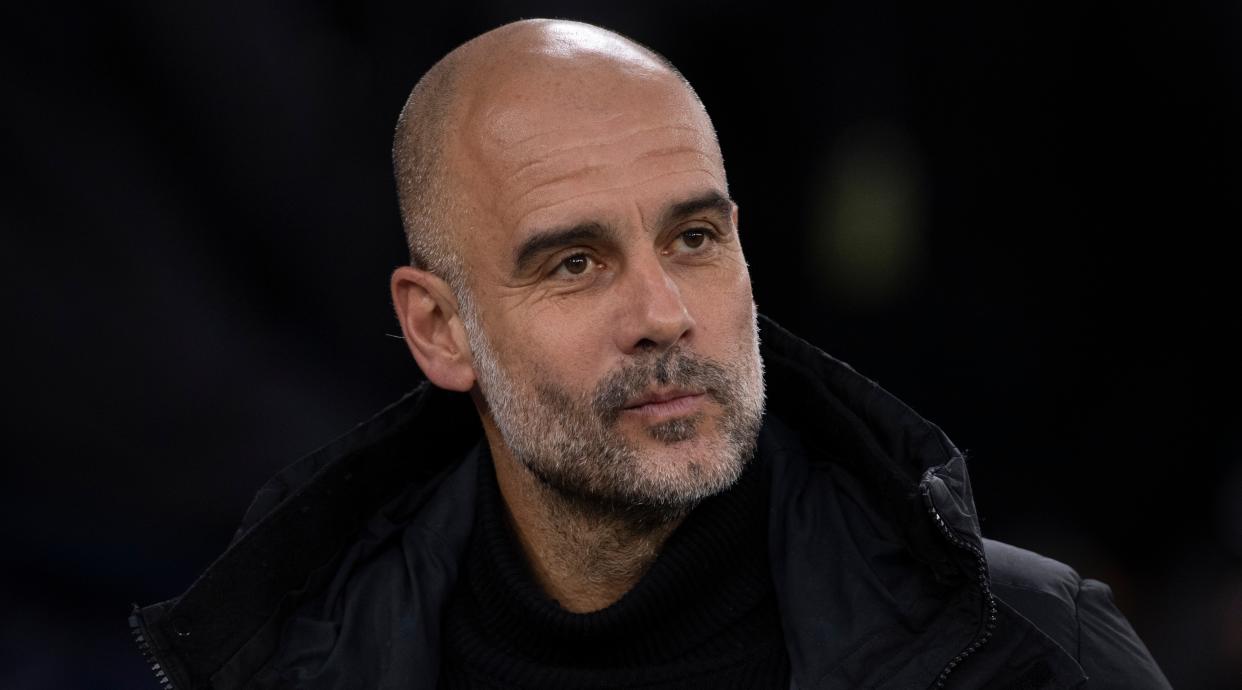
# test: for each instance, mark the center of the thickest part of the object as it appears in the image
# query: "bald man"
(606, 481)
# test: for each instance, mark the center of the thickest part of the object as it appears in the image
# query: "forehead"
(552, 147)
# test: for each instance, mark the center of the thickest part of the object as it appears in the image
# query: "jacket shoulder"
(1018, 569)
(1043, 590)
(1077, 613)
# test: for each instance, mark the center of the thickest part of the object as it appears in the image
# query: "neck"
(585, 557)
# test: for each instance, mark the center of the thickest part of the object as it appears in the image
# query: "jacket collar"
(877, 555)
(899, 480)
(858, 476)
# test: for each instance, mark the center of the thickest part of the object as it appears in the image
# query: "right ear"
(427, 311)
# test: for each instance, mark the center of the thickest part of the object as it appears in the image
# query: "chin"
(694, 467)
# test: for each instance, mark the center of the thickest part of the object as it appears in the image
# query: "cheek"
(724, 309)
(561, 351)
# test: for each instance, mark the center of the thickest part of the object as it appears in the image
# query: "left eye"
(695, 238)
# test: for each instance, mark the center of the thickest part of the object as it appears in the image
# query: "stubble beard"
(572, 445)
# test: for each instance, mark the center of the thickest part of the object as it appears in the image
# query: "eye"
(574, 265)
(694, 239)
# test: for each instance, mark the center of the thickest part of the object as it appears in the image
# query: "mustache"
(675, 367)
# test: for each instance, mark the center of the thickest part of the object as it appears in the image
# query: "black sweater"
(703, 616)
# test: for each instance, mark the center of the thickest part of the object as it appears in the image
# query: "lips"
(660, 406)
(658, 397)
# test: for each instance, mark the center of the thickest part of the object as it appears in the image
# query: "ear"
(427, 311)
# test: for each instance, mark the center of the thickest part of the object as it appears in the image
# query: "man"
(602, 486)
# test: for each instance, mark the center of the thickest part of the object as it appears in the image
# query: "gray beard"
(599, 476)
(572, 446)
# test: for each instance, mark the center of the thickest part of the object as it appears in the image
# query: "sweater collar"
(709, 592)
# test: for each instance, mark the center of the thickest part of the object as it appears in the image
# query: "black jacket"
(338, 573)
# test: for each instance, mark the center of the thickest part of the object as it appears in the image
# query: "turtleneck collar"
(708, 595)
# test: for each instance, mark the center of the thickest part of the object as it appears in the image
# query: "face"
(610, 314)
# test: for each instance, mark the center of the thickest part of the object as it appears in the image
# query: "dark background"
(1018, 217)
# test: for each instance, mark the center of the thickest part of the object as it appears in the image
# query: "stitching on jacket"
(1028, 588)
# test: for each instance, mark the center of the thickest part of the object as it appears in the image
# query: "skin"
(562, 124)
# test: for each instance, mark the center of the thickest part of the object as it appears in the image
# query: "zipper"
(981, 564)
(139, 632)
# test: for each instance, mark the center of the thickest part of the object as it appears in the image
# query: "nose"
(654, 315)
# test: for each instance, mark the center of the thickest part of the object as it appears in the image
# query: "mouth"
(666, 403)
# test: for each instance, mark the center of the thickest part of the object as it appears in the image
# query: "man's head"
(577, 266)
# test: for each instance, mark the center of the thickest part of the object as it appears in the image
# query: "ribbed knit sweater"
(703, 616)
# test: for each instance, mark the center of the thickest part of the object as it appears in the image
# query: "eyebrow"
(542, 241)
(708, 201)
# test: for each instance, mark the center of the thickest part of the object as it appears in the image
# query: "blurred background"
(1021, 218)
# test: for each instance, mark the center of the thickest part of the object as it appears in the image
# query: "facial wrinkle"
(606, 190)
(561, 133)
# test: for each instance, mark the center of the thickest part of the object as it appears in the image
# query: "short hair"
(420, 168)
